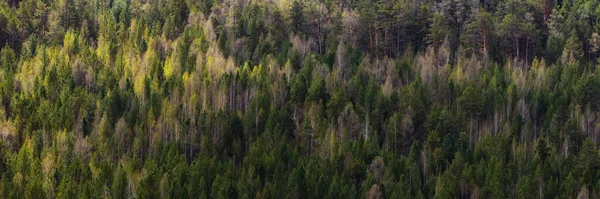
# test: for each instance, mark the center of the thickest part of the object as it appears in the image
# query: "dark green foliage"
(297, 18)
(299, 99)
(449, 146)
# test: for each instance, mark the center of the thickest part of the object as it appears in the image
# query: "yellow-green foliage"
(299, 99)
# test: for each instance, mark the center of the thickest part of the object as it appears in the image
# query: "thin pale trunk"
(376, 40)
(312, 134)
(395, 142)
(371, 40)
(398, 41)
(485, 33)
(527, 50)
(517, 46)
(541, 188)
(387, 47)
(366, 127)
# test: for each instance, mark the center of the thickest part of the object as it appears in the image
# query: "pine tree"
(573, 50)
(297, 19)
(479, 33)
(510, 28)
(542, 149)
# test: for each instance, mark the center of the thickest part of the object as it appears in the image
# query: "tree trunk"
(370, 40)
(485, 34)
(366, 136)
(527, 50)
(517, 46)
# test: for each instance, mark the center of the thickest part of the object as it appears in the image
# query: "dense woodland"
(299, 99)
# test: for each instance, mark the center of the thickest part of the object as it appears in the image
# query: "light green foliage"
(299, 99)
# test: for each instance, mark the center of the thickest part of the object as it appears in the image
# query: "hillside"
(299, 99)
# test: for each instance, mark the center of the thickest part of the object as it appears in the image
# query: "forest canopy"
(299, 99)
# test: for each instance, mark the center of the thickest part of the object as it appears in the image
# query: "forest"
(299, 99)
